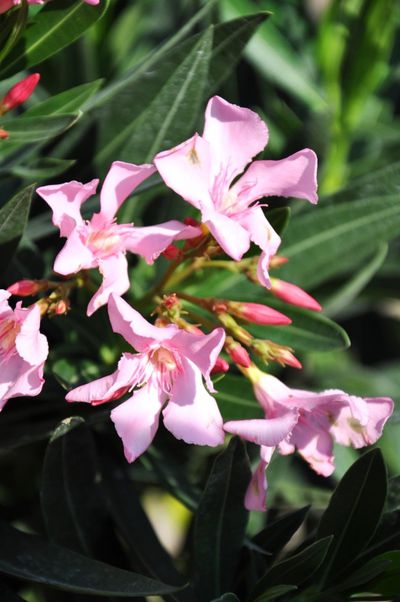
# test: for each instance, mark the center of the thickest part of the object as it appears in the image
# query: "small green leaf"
(295, 569)
(13, 219)
(220, 522)
(56, 26)
(354, 511)
(33, 129)
(30, 558)
(66, 102)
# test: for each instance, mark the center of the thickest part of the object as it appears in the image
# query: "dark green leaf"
(276, 534)
(296, 569)
(33, 129)
(13, 219)
(48, 167)
(220, 522)
(65, 102)
(57, 25)
(393, 494)
(365, 574)
(388, 585)
(279, 218)
(229, 597)
(72, 502)
(30, 558)
(236, 399)
(272, 593)
(354, 511)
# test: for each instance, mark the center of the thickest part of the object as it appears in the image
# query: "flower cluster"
(169, 370)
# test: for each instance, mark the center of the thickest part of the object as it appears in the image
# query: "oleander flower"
(7, 4)
(23, 350)
(100, 242)
(203, 171)
(166, 375)
(309, 422)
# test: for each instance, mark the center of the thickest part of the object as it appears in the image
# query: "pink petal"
(65, 200)
(203, 350)
(136, 420)
(229, 233)
(268, 431)
(129, 323)
(18, 378)
(31, 345)
(256, 493)
(295, 176)
(315, 445)
(120, 182)
(151, 241)
(74, 256)
(115, 280)
(192, 414)
(186, 169)
(235, 135)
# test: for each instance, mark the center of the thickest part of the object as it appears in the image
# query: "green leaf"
(236, 399)
(33, 129)
(73, 506)
(354, 511)
(272, 593)
(296, 569)
(279, 218)
(393, 494)
(220, 522)
(13, 220)
(173, 111)
(56, 26)
(320, 241)
(46, 167)
(30, 558)
(66, 102)
(277, 534)
(388, 585)
(364, 574)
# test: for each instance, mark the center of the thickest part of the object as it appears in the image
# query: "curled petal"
(229, 234)
(31, 345)
(315, 445)
(74, 256)
(256, 493)
(115, 280)
(267, 431)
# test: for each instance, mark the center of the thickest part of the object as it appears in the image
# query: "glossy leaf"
(66, 102)
(13, 219)
(295, 569)
(220, 522)
(354, 511)
(33, 129)
(31, 558)
(57, 25)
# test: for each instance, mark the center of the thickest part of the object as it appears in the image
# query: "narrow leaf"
(276, 534)
(272, 593)
(13, 219)
(33, 129)
(66, 102)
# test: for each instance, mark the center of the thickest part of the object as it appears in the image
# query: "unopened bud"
(170, 301)
(273, 352)
(238, 354)
(221, 366)
(258, 314)
(3, 134)
(293, 294)
(27, 288)
(277, 260)
(237, 331)
(61, 307)
(19, 93)
(172, 252)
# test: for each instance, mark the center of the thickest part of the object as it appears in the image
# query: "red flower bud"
(239, 355)
(220, 367)
(3, 134)
(293, 294)
(26, 288)
(258, 314)
(172, 252)
(19, 93)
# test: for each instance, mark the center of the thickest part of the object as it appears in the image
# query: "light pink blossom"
(7, 4)
(309, 422)
(167, 373)
(202, 170)
(101, 242)
(23, 350)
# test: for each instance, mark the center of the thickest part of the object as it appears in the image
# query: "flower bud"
(172, 252)
(19, 93)
(61, 307)
(277, 260)
(238, 354)
(258, 314)
(221, 366)
(293, 294)
(27, 288)
(3, 134)
(273, 352)
(238, 332)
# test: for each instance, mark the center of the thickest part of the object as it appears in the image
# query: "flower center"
(105, 241)
(9, 328)
(167, 365)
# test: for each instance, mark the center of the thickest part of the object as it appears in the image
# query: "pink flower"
(101, 242)
(202, 170)
(23, 350)
(168, 367)
(7, 4)
(309, 422)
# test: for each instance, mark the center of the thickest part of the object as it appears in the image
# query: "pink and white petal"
(203, 351)
(348, 430)
(268, 431)
(228, 233)
(256, 493)
(315, 445)
(135, 329)
(235, 135)
(260, 230)
(66, 200)
(150, 241)
(74, 256)
(31, 345)
(136, 420)
(192, 414)
(4, 295)
(186, 169)
(114, 270)
(294, 176)
(18, 378)
(120, 182)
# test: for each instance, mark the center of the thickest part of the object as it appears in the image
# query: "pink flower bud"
(172, 252)
(19, 93)
(239, 355)
(3, 134)
(258, 314)
(286, 357)
(293, 294)
(221, 366)
(277, 260)
(61, 307)
(27, 288)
